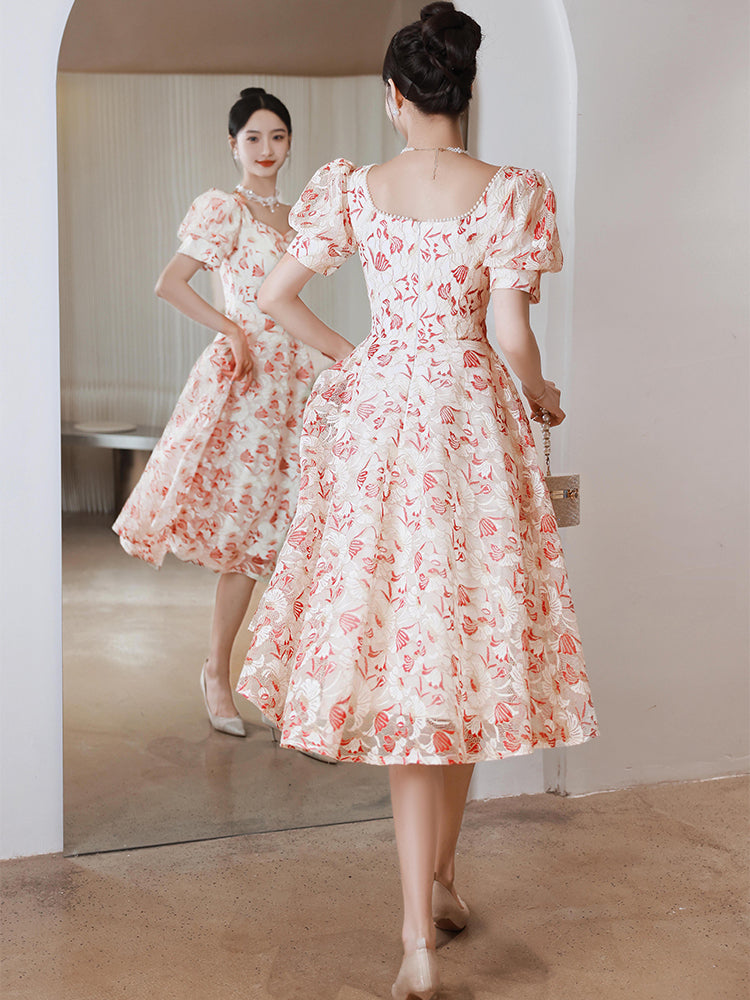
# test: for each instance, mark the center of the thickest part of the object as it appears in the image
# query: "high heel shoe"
(275, 731)
(418, 977)
(232, 725)
(448, 912)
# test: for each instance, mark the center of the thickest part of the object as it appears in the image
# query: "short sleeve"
(210, 231)
(525, 241)
(322, 220)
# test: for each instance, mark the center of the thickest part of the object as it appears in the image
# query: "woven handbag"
(564, 491)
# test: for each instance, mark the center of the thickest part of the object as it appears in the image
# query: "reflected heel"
(276, 737)
(231, 725)
(275, 731)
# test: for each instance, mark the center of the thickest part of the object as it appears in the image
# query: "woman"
(419, 615)
(221, 485)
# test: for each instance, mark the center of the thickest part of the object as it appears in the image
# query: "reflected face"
(262, 144)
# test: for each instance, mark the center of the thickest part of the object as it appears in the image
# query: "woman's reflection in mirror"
(221, 485)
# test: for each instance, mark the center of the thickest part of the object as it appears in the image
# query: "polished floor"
(631, 895)
(141, 763)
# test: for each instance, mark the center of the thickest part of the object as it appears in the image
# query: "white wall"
(656, 398)
(30, 661)
(658, 394)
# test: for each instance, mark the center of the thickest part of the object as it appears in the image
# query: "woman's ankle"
(215, 670)
(411, 939)
(446, 877)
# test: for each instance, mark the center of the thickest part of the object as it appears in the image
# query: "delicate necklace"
(436, 149)
(271, 201)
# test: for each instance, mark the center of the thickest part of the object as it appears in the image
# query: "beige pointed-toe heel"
(449, 912)
(232, 725)
(418, 977)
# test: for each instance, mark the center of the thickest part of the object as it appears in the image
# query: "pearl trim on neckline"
(409, 218)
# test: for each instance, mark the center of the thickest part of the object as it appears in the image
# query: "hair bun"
(451, 37)
(433, 61)
(435, 9)
(251, 92)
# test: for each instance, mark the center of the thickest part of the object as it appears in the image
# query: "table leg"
(122, 459)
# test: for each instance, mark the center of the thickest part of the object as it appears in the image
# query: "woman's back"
(430, 274)
(405, 186)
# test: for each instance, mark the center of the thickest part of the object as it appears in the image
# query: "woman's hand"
(243, 358)
(549, 400)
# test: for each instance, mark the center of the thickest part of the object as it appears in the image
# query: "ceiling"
(291, 37)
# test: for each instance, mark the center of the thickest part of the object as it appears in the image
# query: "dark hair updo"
(433, 61)
(252, 99)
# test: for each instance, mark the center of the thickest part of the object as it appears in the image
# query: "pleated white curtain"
(134, 151)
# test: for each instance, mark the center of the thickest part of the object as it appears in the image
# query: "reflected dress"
(420, 610)
(221, 485)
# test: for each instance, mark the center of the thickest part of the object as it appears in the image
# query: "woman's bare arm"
(519, 346)
(174, 287)
(279, 297)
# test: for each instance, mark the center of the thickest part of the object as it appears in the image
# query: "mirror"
(142, 765)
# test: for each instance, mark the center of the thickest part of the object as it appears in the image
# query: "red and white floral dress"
(221, 485)
(420, 611)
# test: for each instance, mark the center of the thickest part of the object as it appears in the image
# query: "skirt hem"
(378, 759)
(144, 551)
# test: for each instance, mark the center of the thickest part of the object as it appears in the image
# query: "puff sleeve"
(524, 241)
(209, 232)
(322, 220)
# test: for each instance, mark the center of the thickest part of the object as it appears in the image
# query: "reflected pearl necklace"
(271, 201)
(430, 149)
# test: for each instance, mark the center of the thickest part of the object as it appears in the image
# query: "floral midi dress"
(221, 485)
(420, 610)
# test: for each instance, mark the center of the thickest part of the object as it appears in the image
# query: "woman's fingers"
(243, 367)
(241, 355)
(548, 402)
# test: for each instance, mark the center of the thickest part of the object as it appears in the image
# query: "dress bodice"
(430, 277)
(221, 232)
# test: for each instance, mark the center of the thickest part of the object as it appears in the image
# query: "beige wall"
(297, 37)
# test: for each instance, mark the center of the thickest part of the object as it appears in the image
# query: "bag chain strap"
(547, 445)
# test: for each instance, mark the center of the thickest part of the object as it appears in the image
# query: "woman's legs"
(456, 779)
(233, 593)
(428, 806)
(415, 797)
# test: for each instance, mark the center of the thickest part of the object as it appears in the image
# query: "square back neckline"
(410, 218)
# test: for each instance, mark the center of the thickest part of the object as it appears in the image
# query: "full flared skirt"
(221, 485)
(420, 610)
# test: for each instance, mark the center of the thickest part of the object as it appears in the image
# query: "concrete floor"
(142, 765)
(630, 895)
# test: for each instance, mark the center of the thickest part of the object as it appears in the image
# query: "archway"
(30, 670)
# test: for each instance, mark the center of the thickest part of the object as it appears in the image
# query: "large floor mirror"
(142, 131)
